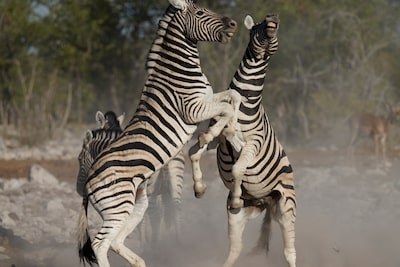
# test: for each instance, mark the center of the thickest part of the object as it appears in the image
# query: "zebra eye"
(199, 13)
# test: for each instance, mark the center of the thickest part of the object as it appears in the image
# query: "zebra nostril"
(232, 23)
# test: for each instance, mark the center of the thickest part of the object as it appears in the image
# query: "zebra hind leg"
(134, 219)
(236, 225)
(110, 229)
(286, 217)
(117, 224)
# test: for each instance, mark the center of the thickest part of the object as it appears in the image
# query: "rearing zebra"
(167, 183)
(176, 97)
(259, 177)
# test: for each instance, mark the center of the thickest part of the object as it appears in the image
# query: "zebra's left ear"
(88, 137)
(179, 4)
(248, 22)
(100, 119)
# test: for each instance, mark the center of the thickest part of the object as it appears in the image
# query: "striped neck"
(101, 139)
(171, 37)
(249, 77)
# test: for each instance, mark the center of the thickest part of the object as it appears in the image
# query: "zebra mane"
(108, 133)
(156, 46)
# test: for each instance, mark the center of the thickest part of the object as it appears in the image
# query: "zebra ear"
(88, 137)
(179, 4)
(100, 119)
(121, 119)
(248, 22)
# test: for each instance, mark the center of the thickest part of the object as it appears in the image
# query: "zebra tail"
(85, 249)
(265, 233)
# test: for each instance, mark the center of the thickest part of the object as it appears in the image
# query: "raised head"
(263, 36)
(202, 24)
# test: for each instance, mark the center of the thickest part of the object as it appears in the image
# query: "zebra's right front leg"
(195, 153)
(249, 151)
(225, 106)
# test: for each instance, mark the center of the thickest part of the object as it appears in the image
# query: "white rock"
(39, 175)
(12, 184)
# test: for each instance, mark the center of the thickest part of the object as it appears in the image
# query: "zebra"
(166, 184)
(260, 176)
(165, 193)
(175, 98)
(95, 141)
(109, 120)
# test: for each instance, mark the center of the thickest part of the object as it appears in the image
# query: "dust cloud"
(346, 216)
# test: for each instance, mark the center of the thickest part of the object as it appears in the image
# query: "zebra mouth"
(227, 35)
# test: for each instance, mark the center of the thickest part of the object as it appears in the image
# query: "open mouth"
(272, 25)
(226, 36)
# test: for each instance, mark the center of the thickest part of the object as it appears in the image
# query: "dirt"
(347, 215)
(65, 170)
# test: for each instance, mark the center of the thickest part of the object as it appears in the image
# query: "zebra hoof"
(199, 194)
(234, 210)
(236, 204)
(203, 140)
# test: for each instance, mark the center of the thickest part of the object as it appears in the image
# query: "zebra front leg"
(195, 153)
(225, 105)
(238, 171)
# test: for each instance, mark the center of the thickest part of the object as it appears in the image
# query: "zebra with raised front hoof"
(175, 98)
(259, 176)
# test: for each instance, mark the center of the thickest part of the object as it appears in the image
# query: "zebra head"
(94, 142)
(85, 160)
(263, 36)
(109, 120)
(202, 24)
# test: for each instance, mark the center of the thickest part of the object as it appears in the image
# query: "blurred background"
(61, 61)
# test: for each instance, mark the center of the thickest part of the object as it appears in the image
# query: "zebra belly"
(263, 174)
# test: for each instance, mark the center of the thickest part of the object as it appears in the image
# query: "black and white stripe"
(94, 142)
(164, 188)
(176, 97)
(260, 176)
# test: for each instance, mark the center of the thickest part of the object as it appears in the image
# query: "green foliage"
(60, 61)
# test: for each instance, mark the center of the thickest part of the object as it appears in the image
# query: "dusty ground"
(348, 215)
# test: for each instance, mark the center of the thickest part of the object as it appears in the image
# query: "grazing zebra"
(259, 177)
(176, 97)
